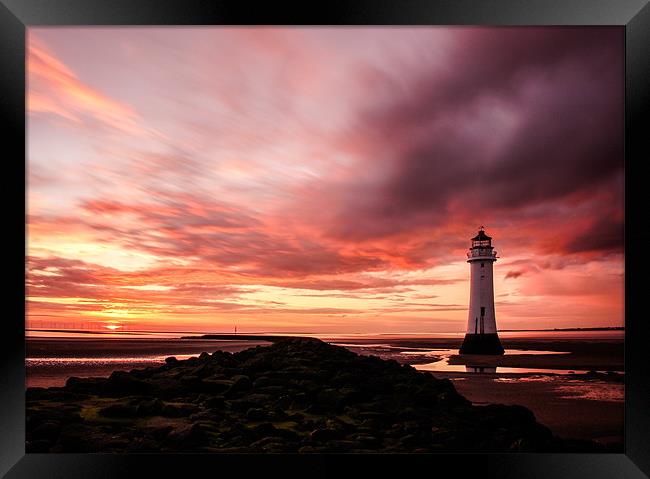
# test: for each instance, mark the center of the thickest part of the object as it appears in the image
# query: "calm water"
(62, 358)
(47, 371)
(442, 364)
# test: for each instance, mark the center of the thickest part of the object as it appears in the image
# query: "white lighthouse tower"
(481, 336)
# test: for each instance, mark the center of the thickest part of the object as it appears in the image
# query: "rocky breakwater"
(297, 395)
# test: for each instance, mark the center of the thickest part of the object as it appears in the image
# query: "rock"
(289, 435)
(317, 410)
(372, 415)
(264, 443)
(256, 414)
(144, 444)
(158, 433)
(118, 410)
(338, 425)
(37, 446)
(265, 429)
(366, 440)
(215, 402)
(88, 385)
(240, 383)
(178, 410)
(296, 417)
(320, 435)
(150, 407)
(77, 438)
(259, 399)
(187, 438)
(278, 414)
(193, 361)
(190, 382)
(342, 445)
(215, 386)
(34, 394)
(202, 371)
(257, 364)
(300, 398)
(205, 417)
(204, 356)
(240, 405)
(121, 383)
(308, 385)
(272, 390)
(48, 430)
(408, 440)
(329, 397)
(284, 402)
(266, 381)
(171, 360)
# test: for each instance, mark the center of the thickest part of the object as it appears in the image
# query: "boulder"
(188, 438)
(121, 383)
(150, 407)
(119, 411)
(240, 383)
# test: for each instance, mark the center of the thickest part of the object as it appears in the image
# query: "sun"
(113, 326)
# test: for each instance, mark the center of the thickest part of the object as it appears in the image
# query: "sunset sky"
(322, 180)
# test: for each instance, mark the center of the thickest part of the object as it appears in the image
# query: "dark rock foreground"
(297, 395)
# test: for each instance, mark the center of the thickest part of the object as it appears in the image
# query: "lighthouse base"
(481, 344)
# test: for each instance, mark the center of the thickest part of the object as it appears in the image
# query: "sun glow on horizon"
(113, 327)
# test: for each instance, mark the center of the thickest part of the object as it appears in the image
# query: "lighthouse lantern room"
(481, 335)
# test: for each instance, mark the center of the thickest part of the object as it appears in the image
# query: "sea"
(54, 356)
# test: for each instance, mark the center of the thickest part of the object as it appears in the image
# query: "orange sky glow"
(321, 180)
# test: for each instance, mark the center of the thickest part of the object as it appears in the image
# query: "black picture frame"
(633, 15)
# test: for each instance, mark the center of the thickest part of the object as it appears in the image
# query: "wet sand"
(93, 348)
(558, 402)
(570, 405)
(582, 406)
(50, 362)
(596, 354)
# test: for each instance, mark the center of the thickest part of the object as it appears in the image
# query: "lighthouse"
(481, 336)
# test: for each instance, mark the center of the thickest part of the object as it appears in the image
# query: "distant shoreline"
(244, 337)
(273, 338)
(278, 336)
(613, 328)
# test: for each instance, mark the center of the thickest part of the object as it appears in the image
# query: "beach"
(575, 407)
(295, 395)
(50, 362)
(577, 389)
(579, 392)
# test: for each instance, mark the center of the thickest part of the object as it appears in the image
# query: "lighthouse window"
(482, 265)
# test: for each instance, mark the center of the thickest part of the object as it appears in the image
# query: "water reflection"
(442, 364)
(508, 352)
(481, 369)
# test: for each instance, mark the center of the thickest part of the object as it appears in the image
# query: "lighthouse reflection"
(481, 369)
(444, 363)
